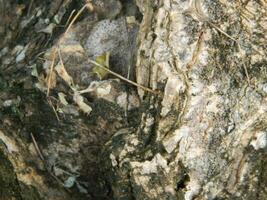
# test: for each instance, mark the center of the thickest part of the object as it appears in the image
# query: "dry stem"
(124, 79)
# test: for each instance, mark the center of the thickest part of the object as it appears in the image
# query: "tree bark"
(200, 135)
(205, 136)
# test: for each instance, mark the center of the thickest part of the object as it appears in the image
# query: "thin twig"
(127, 93)
(246, 72)
(239, 47)
(60, 57)
(43, 159)
(54, 54)
(51, 104)
(37, 148)
(227, 35)
(221, 31)
(125, 79)
(63, 66)
(50, 73)
(75, 18)
(129, 70)
(30, 8)
(197, 50)
(39, 54)
(244, 65)
(71, 14)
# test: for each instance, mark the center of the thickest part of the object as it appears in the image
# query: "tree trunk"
(200, 134)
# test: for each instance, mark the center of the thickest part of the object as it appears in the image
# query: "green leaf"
(104, 61)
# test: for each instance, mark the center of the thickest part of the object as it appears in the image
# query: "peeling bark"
(198, 140)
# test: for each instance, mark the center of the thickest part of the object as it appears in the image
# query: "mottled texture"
(209, 56)
(202, 137)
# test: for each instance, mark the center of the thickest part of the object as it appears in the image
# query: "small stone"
(47, 21)
(21, 56)
(261, 141)
(70, 182)
(4, 51)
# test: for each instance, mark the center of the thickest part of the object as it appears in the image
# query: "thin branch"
(127, 94)
(51, 104)
(197, 50)
(75, 18)
(246, 72)
(221, 31)
(71, 14)
(30, 8)
(37, 148)
(50, 73)
(43, 159)
(124, 79)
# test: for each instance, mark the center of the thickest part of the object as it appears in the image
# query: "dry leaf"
(92, 87)
(75, 48)
(62, 98)
(51, 80)
(78, 99)
(60, 69)
(49, 29)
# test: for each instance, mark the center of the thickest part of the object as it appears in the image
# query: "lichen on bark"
(205, 53)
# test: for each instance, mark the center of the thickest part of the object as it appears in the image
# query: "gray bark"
(205, 137)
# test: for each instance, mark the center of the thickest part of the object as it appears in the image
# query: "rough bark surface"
(205, 137)
(202, 135)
